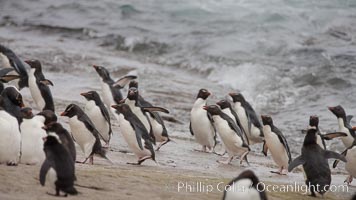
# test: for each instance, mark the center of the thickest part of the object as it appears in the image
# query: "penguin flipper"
(348, 118)
(190, 128)
(265, 148)
(139, 131)
(337, 161)
(8, 78)
(5, 71)
(295, 163)
(330, 154)
(330, 136)
(155, 109)
(44, 169)
(47, 82)
(123, 81)
(238, 123)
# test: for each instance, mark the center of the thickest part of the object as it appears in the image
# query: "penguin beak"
(331, 108)
(115, 106)
(122, 100)
(232, 94)
(83, 94)
(205, 107)
(63, 113)
(44, 127)
(95, 66)
(44, 139)
(354, 128)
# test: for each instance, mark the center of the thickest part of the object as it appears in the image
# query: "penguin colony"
(39, 139)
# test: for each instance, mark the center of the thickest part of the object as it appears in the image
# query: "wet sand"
(67, 62)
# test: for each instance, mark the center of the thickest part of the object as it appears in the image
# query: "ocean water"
(289, 58)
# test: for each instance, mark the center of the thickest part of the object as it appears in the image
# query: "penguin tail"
(71, 191)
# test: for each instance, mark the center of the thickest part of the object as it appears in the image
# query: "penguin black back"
(12, 102)
(58, 158)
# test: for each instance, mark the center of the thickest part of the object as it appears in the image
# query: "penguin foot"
(161, 144)
(348, 180)
(226, 162)
(11, 163)
(278, 172)
(201, 150)
(130, 163)
(219, 154)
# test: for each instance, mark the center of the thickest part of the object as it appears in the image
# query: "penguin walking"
(56, 129)
(230, 134)
(98, 114)
(8, 59)
(277, 144)
(350, 166)
(32, 136)
(248, 118)
(12, 102)
(315, 164)
(344, 125)
(10, 137)
(314, 123)
(226, 108)
(111, 94)
(84, 133)
(39, 86)
(201, 125)
(151, 119)
(135, 134)
(5, 77)
(58, 168)
(246, 186)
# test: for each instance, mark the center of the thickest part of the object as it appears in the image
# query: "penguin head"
(49, 141)
(13, 95)
(267, 120)
(121, 108)
(91, 95)
(133, 84)
(34, 64)
(102, 71)
(132, 94)
(49, 116)
(248, 174)
(203, 94)
(71, 110)
(26, 113)
(52, 127)
(338, 111)
(224, 104)
(212, 109)
(237, 97)
(314, 121)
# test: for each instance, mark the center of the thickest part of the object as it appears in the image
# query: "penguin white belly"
(232, 142)
(51, 178)
(82, 135)
(202, 128)
(31, 141)
(240, 111)
(242, 189)
(10, 139)
(138, 112)
(278, 152)
(35, 91)
(348, 140)
(157, 129)
(130, 137)
(228, 112)
(95, 115)
(107, 97)
(350, 165)
(4, 61)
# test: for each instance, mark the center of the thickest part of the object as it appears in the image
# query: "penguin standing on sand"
(248, 118)
(57, 130)
(158, 127)
(111, 94)
(350, 166)
(58, 168)
(8, 59)
(84, 133)
(10, 137)
(200, 123)
(315, 164)
(277, 144)
(98, 114)
(230, 134)
(150, 119)
(135, 134)
(39, 88)
(31, 137)
(314, 123)
(344, 125)
(12, 102)
(246, 186)
(226, 108)
(5, 77)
